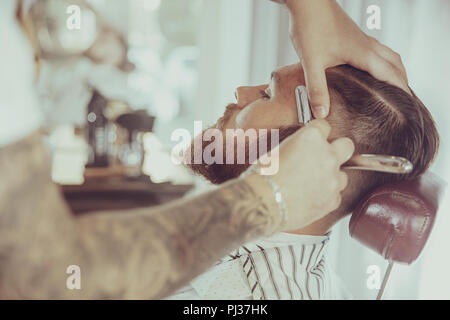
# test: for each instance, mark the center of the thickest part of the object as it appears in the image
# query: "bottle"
(97, 131)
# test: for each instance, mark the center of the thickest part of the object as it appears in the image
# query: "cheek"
(256, 117)
(264, 117)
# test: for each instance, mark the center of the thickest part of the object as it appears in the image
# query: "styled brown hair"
(382, 119)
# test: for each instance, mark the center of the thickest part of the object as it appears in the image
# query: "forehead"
(294, 71)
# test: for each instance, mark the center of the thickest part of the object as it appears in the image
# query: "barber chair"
(395, 220)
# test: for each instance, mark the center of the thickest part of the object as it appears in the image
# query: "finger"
(343, 180)
(344, 149)
(388, 54)
(316, 83)
(335, 203)
(383, 70)
(393, 57)
(322, 125)
(397, 78)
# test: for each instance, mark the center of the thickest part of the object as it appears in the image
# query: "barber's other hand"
(324, 36)
(309, 174)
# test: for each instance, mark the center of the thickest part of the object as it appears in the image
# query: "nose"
(245, 95)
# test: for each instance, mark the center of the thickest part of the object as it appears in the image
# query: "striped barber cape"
(285, 266)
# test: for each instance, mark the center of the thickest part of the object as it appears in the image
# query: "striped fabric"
(289, 271)
(284, 266)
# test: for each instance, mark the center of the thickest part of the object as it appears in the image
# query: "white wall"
(225, 44)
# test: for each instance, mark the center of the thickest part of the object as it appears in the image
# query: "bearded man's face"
(261, 109)
(220, 154)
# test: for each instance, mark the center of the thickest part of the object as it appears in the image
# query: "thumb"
(316, 83)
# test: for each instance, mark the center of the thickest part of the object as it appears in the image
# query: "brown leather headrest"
(395, 220)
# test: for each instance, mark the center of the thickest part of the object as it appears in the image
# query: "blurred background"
(114, 91)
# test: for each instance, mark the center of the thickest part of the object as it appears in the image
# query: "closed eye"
(264, 95)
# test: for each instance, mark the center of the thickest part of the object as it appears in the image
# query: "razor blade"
(303, 109)
(379, 163)
(367, 162)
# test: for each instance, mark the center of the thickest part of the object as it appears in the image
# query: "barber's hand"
(324, 36)
(309, 174)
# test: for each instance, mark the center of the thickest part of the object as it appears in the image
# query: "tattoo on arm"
(144, 253)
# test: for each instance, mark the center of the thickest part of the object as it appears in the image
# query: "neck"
(321, 226)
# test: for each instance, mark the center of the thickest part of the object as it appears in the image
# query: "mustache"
(218, 173)
(229, 110)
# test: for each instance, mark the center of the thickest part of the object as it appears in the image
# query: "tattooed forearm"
(145, 253)
(33, 220)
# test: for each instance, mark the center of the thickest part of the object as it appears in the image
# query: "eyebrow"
(226, 116)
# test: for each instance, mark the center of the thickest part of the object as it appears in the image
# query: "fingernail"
(320, 112)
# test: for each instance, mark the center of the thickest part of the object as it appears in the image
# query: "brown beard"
(218, 173)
